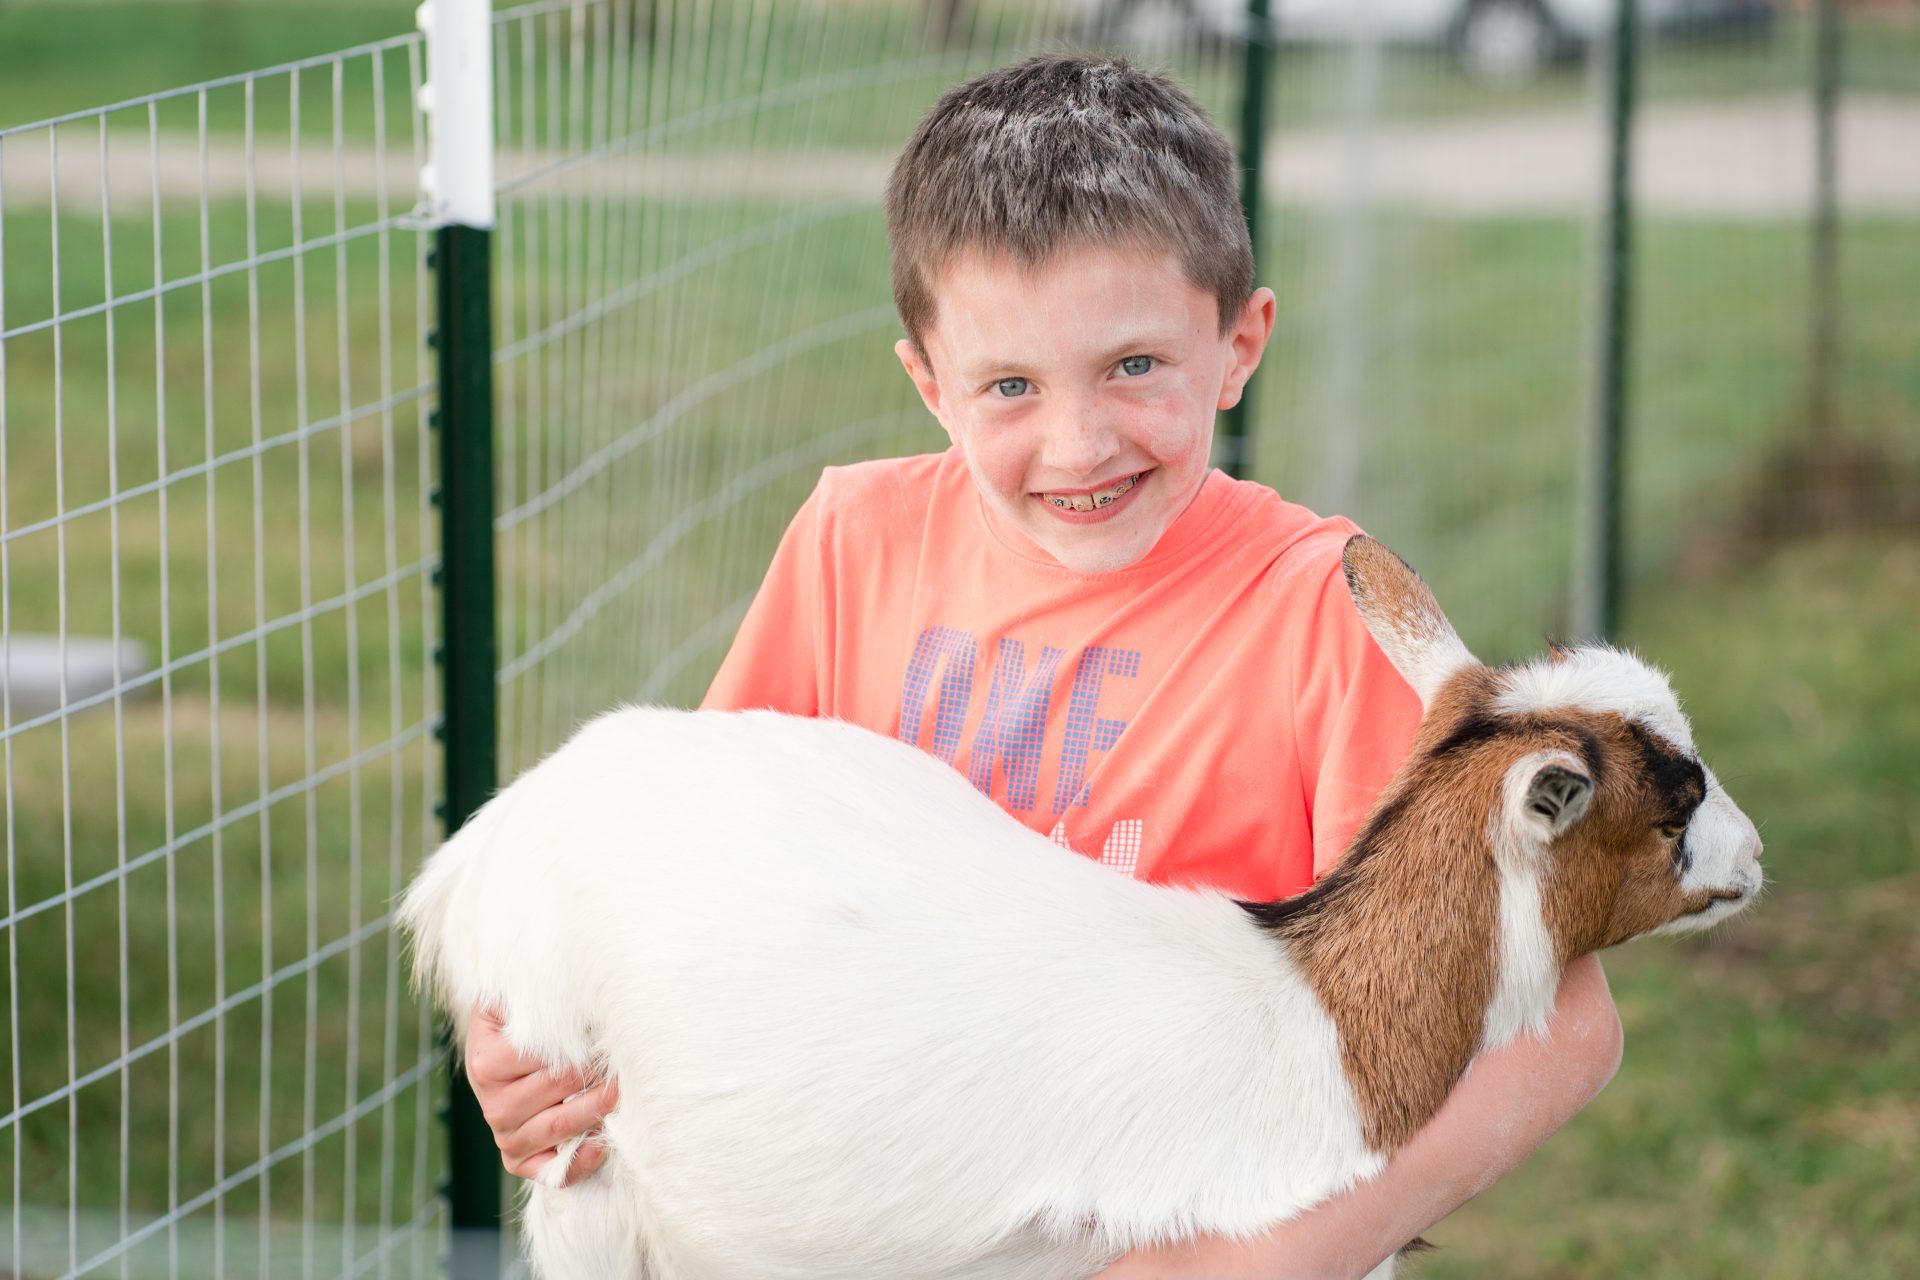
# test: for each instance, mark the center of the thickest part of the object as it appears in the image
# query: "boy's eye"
(1012, 388)
(1134, 366)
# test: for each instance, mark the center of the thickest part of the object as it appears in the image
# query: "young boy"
(1155, 664)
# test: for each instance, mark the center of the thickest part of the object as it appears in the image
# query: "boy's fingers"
(592, 1154)
(509, 1107)
(530, 1167)
(492, 1060)
(554, 1125)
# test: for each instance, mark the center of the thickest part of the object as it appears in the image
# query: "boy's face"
(1082, 393)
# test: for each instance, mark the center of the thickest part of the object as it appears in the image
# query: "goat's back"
(867, 1024)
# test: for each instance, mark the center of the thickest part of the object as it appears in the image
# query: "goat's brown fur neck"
(1401, 950)
(1400, 940)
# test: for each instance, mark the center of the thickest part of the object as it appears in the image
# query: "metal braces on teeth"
(1093, 502)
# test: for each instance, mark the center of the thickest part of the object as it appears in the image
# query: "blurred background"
(1605, 337)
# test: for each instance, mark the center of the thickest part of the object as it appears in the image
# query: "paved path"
(1749, 158)
(1746, 159)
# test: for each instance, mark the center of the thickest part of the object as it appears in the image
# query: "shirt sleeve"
(1354, 717)
(777, 657)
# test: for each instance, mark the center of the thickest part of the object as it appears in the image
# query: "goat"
(866, 1024)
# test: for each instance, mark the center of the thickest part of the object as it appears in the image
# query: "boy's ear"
(1403, 616)
(1249, 340)
(921, 372)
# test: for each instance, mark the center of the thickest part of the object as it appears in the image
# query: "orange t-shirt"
(1215, 713)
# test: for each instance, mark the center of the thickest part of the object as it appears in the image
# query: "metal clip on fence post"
(457, 195)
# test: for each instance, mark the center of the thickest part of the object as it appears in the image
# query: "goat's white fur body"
(938, 1112)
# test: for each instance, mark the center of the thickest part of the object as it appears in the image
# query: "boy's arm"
(1512, 1100)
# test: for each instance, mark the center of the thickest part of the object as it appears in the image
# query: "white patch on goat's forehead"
(1598, 678)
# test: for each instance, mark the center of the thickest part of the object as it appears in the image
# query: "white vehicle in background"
(1495, 40)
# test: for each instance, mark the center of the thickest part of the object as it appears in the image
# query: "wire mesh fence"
(216, 611)
(1776, 392)
(691, 280)
(216, 512)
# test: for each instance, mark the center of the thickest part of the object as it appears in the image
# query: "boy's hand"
(530, 1107)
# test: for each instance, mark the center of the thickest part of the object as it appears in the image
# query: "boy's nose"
(1078, 442)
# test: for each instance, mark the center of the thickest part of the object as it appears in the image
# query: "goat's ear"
(1403, 616)
(1544, 793)
(1557, 797)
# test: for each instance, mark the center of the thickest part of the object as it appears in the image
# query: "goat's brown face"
(1660, 847)
(1602, 789)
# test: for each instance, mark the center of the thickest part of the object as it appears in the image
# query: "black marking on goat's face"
(1475, 728)
(1479, 727)
(1682, 855)
(1679, 782)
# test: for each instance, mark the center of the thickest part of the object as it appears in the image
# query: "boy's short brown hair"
(1059, 150)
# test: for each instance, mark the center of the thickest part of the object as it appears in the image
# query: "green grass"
(61, 58)
(1477, 402)
(1766, 1121)
(252, 899)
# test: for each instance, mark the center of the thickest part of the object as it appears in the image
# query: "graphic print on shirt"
(945, 654)
(1011, 737)
(1121, 850)
(1086, 731)
(1015, 725)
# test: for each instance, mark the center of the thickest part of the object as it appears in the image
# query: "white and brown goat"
(868, 1025)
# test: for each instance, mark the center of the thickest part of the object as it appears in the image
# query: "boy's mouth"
(1092, 500)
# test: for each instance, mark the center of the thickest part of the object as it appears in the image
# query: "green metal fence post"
(458, 193)
(1605, 549)
(1233, 448)
(465, 336)
(1823, 355)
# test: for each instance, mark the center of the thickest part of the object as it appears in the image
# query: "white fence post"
(456, 187)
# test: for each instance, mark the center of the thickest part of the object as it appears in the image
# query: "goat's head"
(1593, 766)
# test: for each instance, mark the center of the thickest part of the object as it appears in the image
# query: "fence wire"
(694, 318)
(215, 730)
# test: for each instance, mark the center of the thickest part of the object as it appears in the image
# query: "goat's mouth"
(1717, 896)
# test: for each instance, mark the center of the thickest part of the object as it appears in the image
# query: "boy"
(1155, 664)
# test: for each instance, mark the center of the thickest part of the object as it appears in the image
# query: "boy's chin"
(1107, 551)
(1106, 547)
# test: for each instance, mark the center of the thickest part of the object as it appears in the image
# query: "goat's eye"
(1673, 830)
